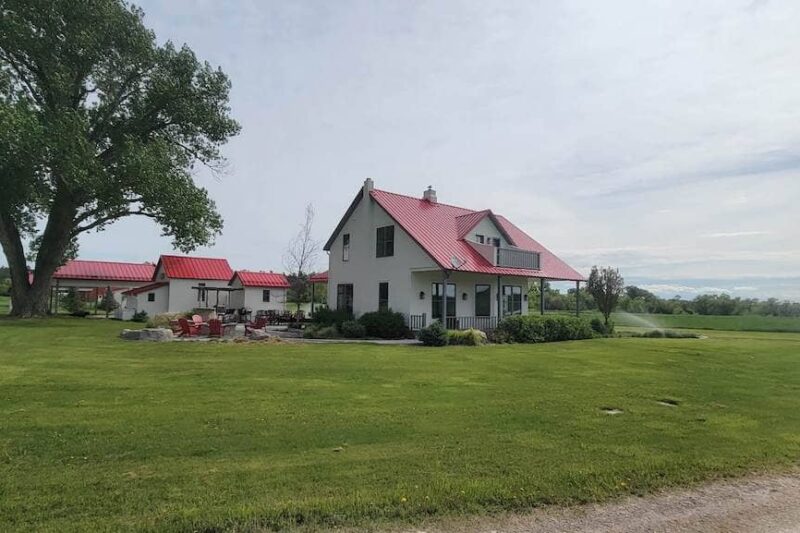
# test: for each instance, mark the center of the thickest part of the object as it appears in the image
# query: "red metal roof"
(319, 277)
(145, 288)
(186, 267)
(437, 228)
(260, 279)
(105, 270)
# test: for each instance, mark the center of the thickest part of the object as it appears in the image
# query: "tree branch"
(114, 216)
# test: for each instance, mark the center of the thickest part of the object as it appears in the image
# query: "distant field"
(729, 323)
(100, 434)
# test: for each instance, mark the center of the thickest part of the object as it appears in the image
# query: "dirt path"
(754, 504)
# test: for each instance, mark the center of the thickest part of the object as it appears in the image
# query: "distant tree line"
(638, 300)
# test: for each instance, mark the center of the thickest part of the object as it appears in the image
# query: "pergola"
(314, 279)
(227, 290)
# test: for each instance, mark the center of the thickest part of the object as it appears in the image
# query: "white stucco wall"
(252, 298)
(140, 303)
(182, 297)
(486, 228)
(365, 271)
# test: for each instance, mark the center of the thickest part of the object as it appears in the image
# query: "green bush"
(665, 333)
(321, 332)
(330, 317)
(537, 328)
(353, 330)
(162, 320)
(434, 335)
(384, 324)
(141, 316)
(599, 327)
(467, 337)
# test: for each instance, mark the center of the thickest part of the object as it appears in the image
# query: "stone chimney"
(368, 186)
(429, 195)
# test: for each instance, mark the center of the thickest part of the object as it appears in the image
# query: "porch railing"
(417, 322)
(483, 323)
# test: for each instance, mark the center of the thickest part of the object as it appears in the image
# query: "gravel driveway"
(753, 504)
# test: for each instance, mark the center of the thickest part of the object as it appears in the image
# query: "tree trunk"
(29, 300)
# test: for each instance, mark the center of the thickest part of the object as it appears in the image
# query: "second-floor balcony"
(514, 258)
(508, 257)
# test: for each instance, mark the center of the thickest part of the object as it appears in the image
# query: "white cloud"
(723, 235)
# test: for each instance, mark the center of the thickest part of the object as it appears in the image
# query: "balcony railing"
(511, 258)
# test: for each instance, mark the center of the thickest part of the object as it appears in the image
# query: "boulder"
(259, 335)
(148, 334)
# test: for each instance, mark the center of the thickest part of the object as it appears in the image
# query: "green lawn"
(102, 434)
(728, 323)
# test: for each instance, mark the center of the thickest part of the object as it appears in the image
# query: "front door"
(436, 302)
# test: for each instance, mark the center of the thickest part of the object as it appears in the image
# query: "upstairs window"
(265, 295)
(480, 238)
(384, 243)
(346, 247)
(496, 242)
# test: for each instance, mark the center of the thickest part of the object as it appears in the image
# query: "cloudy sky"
(659, 137)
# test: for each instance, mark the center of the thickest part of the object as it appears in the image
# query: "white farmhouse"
(259, 291)
(426, 259)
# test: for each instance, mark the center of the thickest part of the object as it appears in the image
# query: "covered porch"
(471, 300)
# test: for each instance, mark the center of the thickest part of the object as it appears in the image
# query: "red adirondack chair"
(260, 323)
(198, 320)
(187, 329)
(215, 328)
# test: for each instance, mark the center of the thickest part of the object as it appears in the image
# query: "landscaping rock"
(259, 335)
(148, 334)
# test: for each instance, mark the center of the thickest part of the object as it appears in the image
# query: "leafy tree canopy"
(99, 122)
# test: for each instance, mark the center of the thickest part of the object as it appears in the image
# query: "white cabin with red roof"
(259, 291)
(182, 283)
(427, 259)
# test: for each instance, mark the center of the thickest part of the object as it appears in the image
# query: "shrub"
(353, 330)
(321, 332)
(434, 335)
(599, 327)
(331, 317)
(162, 320)
(665, 333)
(537, 328)
(141, 316)
(467, 337)
(384, 324)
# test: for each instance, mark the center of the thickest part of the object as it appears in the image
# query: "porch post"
(577, 298)
(541, 295)
(95, 299)
(499, 305)
(444, 298)
(313, 287)
(58, 296)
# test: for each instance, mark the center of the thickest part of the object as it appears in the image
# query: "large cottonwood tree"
(99, 122)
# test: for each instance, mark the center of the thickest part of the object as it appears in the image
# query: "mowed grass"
(102, 434)
(728, 323)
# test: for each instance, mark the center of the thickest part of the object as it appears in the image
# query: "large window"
(265, 295)
(383, 296)
(346, 247)
(344, 297)
(384, 244)
(483, 300)
(512, 300)
(436, 300)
